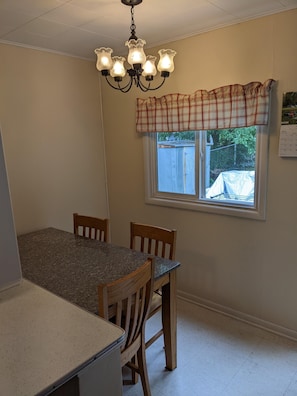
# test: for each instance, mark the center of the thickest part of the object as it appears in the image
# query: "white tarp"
(235, 184)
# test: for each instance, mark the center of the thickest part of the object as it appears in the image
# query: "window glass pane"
(176, 162)
(230, 163)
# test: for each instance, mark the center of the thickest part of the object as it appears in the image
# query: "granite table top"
(72, 267)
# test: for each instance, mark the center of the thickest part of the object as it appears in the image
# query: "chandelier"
(143, 68)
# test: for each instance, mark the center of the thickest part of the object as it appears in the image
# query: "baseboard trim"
(249, 319)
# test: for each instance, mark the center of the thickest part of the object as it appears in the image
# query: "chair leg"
(133, 366)
(143, 371)
(134, 372)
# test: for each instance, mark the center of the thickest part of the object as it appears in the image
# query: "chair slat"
(91, 227)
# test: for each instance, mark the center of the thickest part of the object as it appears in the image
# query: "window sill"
(208, 207)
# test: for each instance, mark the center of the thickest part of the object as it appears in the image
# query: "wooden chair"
(91, 227)
(126, 302)
(157, 241)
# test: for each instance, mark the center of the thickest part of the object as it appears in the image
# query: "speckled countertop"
(45, 340)
(72, 267)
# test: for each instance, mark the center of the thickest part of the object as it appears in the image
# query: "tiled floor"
(220, 356)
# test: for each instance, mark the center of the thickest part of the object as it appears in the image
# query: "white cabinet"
(102, 374)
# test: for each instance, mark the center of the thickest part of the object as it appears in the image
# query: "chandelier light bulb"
(149, 68)
(118, 68)
(166, 63)
(136, 54)
(104, 61)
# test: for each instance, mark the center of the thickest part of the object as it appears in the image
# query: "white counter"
(45, 340)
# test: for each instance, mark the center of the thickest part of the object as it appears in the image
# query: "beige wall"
(50, 116)
(247, 267)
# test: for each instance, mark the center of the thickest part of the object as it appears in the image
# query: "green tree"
(232, 149)
(244, 136)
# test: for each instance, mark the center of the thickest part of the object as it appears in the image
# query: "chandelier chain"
(133, 26)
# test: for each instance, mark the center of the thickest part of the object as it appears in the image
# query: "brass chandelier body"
(143, 68)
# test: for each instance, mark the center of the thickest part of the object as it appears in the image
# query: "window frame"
(257, 211)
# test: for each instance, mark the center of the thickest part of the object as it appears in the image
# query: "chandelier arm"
(124, 89)
(148, 87)
(142, 87)
(127, 87)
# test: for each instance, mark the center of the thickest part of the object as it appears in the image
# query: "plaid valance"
(231, 106)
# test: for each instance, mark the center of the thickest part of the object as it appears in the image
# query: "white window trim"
(180, 201)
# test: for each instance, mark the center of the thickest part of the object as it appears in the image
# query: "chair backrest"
(90, 227)
(127, 302)
(153, 240)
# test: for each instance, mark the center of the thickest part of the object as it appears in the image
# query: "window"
(219, 171)
(221, 166)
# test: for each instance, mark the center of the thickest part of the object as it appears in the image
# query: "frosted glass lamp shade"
(166, 63)
(136, 53)
(118, 68)
(104, 61)
(149, 68)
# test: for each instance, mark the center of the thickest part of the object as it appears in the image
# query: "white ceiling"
(77, 27)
